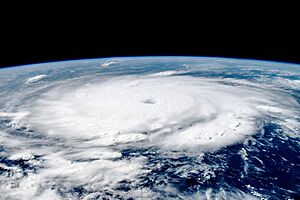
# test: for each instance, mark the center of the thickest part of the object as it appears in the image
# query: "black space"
(28, 40)
(45, 50)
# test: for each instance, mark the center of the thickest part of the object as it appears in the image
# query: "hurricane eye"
(149, 101)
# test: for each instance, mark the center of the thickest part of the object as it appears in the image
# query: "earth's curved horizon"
(172, 127)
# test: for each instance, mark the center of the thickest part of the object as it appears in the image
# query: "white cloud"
(35, 78)
(109, 62)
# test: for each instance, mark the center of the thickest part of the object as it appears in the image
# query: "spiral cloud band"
(170, 112)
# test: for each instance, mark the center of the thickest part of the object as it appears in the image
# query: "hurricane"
(150, 128)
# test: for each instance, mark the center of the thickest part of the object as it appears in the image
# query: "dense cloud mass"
(177, 113)
(69, 139)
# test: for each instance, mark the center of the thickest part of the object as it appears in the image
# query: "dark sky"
(27, 40)
(35, 50)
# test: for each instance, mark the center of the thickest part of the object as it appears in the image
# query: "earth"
(150, 128)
